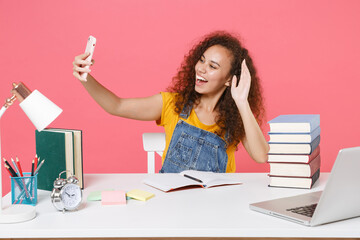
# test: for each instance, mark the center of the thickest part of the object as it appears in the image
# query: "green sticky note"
(96, 195)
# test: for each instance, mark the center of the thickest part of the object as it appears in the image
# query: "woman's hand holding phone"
(82, 62)
(81, 65)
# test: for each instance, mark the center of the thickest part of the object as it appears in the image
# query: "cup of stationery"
(24, 189)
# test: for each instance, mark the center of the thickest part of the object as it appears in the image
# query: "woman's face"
(213, 70)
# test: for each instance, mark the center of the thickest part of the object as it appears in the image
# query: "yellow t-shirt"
(169, 119)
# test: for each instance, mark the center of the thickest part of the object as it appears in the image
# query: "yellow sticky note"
(140, 194)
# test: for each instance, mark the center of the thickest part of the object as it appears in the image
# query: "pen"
(19, 166)
(195, 179)
(32, 168)
(38, 168)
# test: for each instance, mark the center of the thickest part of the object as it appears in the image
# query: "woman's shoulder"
(169, 97)
(168, 109)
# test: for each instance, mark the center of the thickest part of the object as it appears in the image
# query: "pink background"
(307, 54)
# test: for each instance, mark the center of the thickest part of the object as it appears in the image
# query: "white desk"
(214, 212)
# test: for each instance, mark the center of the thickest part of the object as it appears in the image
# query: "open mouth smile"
(200, 80)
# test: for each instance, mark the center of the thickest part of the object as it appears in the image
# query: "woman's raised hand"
(240, 93)
(79, 66)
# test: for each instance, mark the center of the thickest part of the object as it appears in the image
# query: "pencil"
(13, 174)
(32, 167)
(7, 168)
(10, 168)
(19, 166)
(38, 168)
(20, 174)
(16, 168)
(36, 161)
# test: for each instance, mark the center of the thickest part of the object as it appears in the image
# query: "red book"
(293, 158)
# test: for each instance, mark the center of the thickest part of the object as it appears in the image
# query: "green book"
(78, 154)
(57, 149)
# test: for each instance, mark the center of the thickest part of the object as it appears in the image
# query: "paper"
(96, 195)
(140, 194)
(113, 197)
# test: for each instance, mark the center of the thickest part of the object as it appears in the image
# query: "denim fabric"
(194, 148)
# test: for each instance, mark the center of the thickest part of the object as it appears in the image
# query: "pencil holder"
(24, 189)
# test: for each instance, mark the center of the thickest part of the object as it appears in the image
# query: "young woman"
(214, 104)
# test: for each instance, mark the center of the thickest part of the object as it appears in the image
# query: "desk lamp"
(41, 112)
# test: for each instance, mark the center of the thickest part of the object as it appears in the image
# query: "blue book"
(294, 148)
(294, 137)
(295, 123)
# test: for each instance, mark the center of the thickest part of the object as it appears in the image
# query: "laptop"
(339, 200)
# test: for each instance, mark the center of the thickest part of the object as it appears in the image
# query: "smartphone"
(90, 46)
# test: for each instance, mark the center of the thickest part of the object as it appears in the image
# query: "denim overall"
(194, 148)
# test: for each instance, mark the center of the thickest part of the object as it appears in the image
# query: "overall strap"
(226, 138)
(185, 112)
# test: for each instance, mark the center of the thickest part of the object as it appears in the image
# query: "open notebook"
(171, 181)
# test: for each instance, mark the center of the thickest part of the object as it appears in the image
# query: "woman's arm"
(146, 109)
(254, 140)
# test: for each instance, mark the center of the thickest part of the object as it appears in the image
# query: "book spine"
(314, 165)
(314, 134)
(315, 122)
(315, 177)
(293, 158)
(314, 144)
(291, 169)
(82, 162)
(310, 184)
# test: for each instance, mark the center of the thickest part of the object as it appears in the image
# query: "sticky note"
(140, 194)
(113, 197)
(96, 195)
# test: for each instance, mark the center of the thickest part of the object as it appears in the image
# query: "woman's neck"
(209, 102)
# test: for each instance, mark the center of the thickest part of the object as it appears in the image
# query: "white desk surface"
(214, 212)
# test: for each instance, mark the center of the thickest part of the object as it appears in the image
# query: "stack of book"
(294, 154)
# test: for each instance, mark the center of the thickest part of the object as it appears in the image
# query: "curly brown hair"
(229, 119)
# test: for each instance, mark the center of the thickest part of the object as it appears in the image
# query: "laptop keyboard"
(305, 210)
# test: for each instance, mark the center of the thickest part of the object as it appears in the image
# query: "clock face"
(71, 196)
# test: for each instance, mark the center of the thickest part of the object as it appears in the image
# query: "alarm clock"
(66, 194)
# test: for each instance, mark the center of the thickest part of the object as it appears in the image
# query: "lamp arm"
(2, 110)
(20, 91)
(8, 103)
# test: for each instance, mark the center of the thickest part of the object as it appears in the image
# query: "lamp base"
(17, 213)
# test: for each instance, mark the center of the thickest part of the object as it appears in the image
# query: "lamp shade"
(40, 110)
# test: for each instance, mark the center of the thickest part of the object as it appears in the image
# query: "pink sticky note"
(113, 197)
